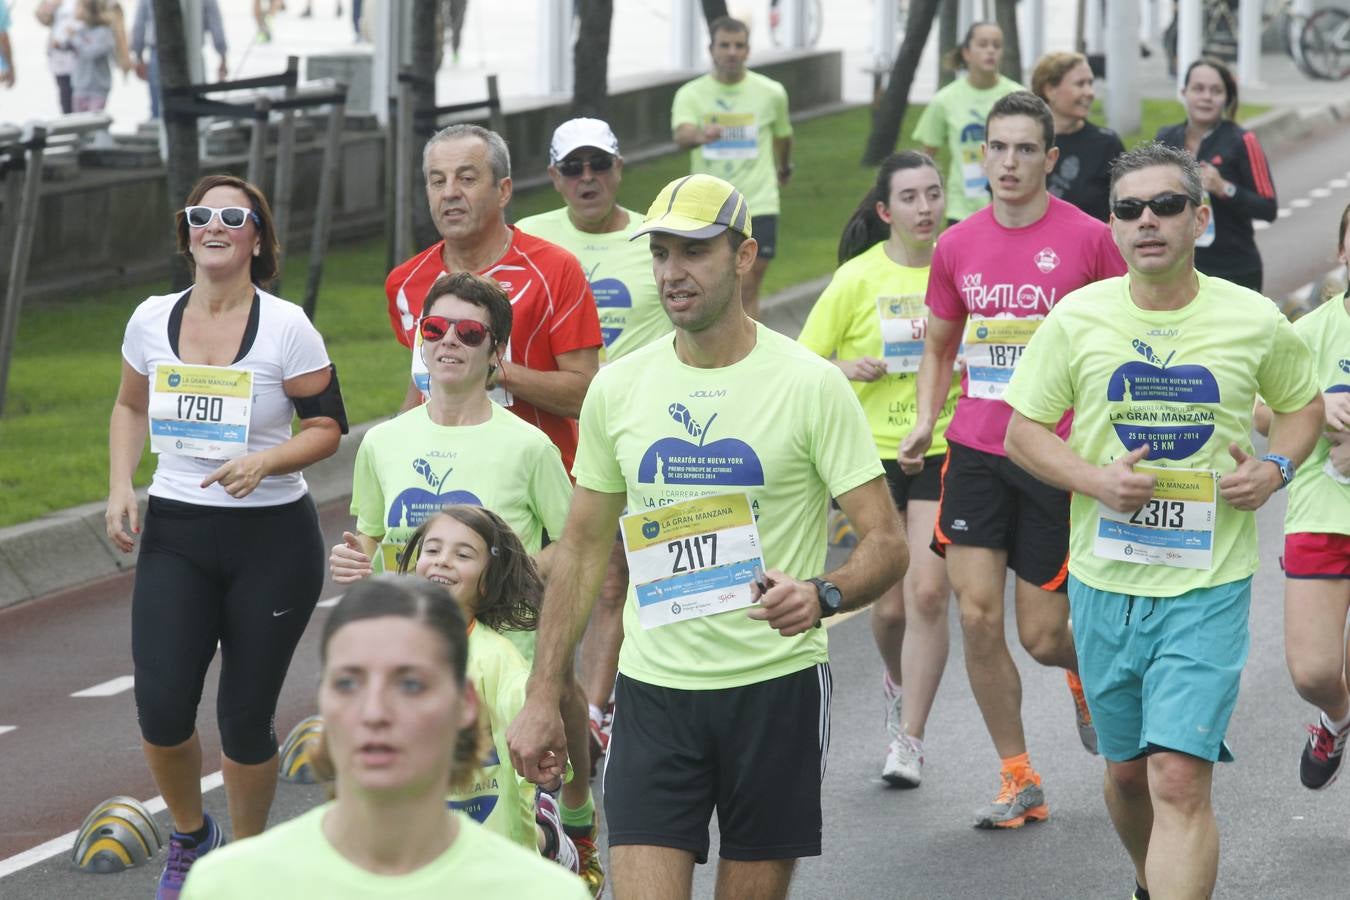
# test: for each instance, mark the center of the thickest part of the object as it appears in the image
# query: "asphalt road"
(60, 754)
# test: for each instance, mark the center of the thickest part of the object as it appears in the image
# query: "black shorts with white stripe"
(755, 754)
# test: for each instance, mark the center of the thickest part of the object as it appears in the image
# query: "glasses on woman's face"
(469, 332)
(230, 216)
(572, 167)
(1163, 205)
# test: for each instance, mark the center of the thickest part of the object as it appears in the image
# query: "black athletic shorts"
(764, 229)
(927, 485)
(755, 754)
(989, 501)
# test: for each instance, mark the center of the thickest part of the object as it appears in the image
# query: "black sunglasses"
(572, 167)
(1165, 205)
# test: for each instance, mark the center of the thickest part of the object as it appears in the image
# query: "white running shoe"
(548, 817)
(904, 762)
(894, 700)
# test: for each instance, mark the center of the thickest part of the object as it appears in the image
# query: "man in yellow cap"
(724, 443)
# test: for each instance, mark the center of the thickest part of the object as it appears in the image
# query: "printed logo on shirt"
(693, 459)
(415, 505)
(1162, 404)
(611, 295)
(991, 299)
(1047, 260)
(1345, 366)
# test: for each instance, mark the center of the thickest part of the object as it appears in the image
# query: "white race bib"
(904, 322)
(200, 411)
(992, 349)
(1174, 528)
(422, 378)
(974, 180)
(692, 559)
(739, 140)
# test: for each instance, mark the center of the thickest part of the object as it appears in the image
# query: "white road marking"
(62, 844)
(1300, 203)
(332, 602)
(1284, 213)
(108, 688)
(1338, 183)
(1260, 225)
(6, 728)
(1319, 193)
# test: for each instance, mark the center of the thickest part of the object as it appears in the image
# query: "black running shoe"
(1322, 756)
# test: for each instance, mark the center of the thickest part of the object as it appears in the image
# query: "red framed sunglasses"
(469, 332)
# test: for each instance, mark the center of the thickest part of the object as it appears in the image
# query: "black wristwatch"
(828, 596)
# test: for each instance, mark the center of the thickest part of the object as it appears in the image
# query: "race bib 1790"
(200, 411)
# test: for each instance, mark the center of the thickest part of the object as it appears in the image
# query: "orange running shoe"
(1020, 800)
(1087, 733)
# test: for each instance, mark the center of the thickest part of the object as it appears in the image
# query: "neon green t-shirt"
(1317, 501)
(499, 799)
(780, 425)
(954, 119)
(1183, 381)
(752, 112)
(409, 467)
(295, 859)
(846, 323)
(620, 274)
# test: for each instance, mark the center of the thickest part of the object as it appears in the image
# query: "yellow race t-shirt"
(780, 425)
(1185, 382)
(751, 112)
(295, 859)
(954, 119)
(620, 274)
(1319, 502)
(868, 293)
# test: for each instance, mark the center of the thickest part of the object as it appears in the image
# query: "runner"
(955, 117)
(400, 726)
(232, 554)
(871, 320)
(1317, 544)
(1082, 174)
(735, 124)
(1164, 488)
(699, 436)
(543, 373)
(1233, 168)
(586, 168)
(994, 278)
(460, 447)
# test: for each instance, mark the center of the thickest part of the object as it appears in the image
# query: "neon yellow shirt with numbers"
(1183, 381)
(498, 799)
(295, 859)
(1318, 502)
(845, 323)
(752, 112)
(954, 119)
(620, 274)
(409, 467)
(781, 425)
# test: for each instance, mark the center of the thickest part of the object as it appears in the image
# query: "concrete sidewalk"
(69, 548)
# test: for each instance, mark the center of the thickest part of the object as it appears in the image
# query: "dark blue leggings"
(247, 578)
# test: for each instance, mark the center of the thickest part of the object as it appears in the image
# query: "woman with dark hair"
(400, 728)
(232, 553)
(955, 117)
(1082, 174)
(1233, 171)
(871, 320)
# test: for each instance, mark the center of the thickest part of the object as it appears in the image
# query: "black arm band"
(327, 403)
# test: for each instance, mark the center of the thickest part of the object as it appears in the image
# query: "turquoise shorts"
(1161, 673)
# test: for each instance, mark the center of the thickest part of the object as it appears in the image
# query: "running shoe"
(588, 855)
(904, 762)
(842, 534)
(600, 732)
(894, 698)
(1083, 716)
(1322, 755)
(1019, 801)
(183, 852)
(560, 848)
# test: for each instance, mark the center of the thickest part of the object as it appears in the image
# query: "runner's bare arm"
(1035, 447)
(689, 135)
(1292, 434)
(782, 158)
(127, 429)
(559, 392)
(932, 384)
(578, 568)
(349, 561)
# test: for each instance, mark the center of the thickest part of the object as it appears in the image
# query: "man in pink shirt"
(994, 277)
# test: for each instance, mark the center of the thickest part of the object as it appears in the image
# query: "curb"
(1288, 124)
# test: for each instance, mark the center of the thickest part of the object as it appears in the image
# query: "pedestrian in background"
(6, 52)
(59, 15)
(1082, 174)
(94, 44)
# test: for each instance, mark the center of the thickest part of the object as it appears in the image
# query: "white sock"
(1338, 725)
(597, 714)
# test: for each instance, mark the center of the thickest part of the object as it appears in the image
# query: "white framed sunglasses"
(230, 216)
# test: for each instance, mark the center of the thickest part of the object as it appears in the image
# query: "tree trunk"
(714, 9)
(947, 39)
(1005, 13)
(180, 129)
(426, 48)
(889, 113)
(590, 59)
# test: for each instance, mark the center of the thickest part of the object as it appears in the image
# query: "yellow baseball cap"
(697, 206)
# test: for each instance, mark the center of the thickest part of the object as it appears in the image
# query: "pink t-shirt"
(982, 270)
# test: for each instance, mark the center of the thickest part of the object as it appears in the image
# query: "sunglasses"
(1162, 205)
(468, 332)
(230, 216)
(572, 168)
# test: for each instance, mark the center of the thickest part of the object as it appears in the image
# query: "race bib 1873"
(692, 559)
(1174, 528)
(993, 348)
(200, 411)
